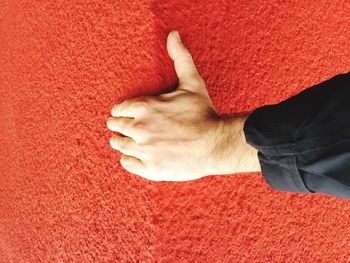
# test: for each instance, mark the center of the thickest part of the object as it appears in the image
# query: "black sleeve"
(303, 142)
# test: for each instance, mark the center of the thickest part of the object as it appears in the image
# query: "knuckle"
(142, 106)
(139, 125)
(143, 100)
(141, 139)
(120, 123)
(122, 145)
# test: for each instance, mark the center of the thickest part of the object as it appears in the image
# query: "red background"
(64, 196)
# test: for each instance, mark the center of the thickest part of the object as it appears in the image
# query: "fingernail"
(178, 36)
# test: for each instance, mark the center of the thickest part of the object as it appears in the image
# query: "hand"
(170, 137)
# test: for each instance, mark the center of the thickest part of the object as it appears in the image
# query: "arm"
(302, 143)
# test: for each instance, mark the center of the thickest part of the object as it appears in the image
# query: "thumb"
(185, 68)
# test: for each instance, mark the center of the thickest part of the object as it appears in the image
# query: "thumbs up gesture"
(173, 136)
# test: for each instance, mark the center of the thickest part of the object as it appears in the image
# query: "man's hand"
(175, 136)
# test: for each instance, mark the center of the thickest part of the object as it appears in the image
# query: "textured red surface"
(64, 197)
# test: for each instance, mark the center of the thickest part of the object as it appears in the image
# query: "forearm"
(232, 153)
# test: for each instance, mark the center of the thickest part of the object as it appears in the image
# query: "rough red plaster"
(64, 197)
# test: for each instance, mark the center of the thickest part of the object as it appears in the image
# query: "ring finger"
(121, 125)
(125, 145)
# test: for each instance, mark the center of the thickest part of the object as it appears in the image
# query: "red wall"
(64, 196)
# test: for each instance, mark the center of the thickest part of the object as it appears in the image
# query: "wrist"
(231, 153)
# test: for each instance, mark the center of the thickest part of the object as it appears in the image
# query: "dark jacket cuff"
(281, 173)
(301, 141)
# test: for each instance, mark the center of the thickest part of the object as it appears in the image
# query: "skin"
(179, 136)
